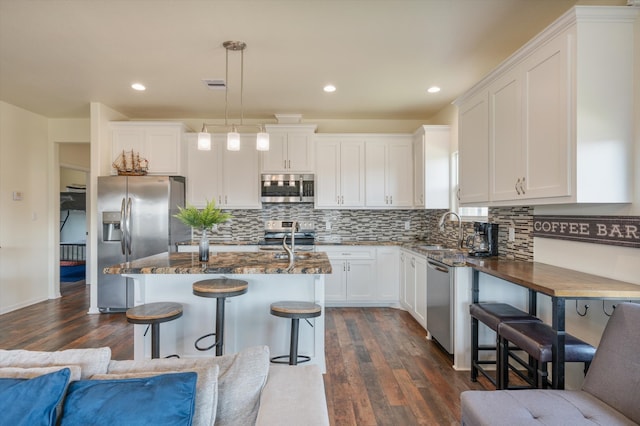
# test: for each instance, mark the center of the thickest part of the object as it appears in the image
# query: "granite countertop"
(223, 263)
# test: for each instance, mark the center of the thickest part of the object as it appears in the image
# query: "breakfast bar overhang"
(168, 277)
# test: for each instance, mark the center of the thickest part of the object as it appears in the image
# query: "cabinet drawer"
(348, 252)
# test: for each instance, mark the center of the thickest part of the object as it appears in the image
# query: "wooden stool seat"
(219, 289)
(154, 314)
(294, 310)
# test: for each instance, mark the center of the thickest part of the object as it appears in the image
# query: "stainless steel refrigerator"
(135, 220)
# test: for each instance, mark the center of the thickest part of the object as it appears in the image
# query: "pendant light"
(233, 137)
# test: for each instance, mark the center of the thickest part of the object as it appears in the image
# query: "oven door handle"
(437, 267)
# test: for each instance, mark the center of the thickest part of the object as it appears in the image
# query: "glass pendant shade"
(262, 141)
(204, 141)
(233, 141)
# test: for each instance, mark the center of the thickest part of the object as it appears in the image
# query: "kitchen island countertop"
(224, 263)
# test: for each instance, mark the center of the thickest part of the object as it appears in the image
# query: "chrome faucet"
(291, 251)
(441, 225)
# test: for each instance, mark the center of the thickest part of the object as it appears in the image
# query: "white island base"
(248, 321)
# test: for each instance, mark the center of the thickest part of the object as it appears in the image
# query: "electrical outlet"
(407, 225)
(327, 226)
(512, 234)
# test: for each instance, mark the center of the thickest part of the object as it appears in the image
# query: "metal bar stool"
(154, 314)
(491, 314)
(220, 289)
(536, 338)
(295, 311)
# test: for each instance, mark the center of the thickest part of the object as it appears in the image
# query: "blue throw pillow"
(168, 399)
(32, 402)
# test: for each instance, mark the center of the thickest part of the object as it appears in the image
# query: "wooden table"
(560, 284)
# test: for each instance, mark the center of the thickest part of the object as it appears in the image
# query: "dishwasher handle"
(437, 267)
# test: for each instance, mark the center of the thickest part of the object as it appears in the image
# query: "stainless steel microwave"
(287, 188)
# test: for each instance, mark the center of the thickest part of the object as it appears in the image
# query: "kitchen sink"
(432, 247)
(281, 256)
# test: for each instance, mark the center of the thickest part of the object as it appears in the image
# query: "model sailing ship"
(129, 163)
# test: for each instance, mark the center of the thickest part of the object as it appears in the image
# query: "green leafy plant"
(203, 219)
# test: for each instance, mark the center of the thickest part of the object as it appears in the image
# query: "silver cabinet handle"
(517, 185)
(522, 186)
(342, 199)
(225, 200)
(344, 266)
(349, 266)
(390, 199)
(458, 194)
(413, 261)
(289, 163)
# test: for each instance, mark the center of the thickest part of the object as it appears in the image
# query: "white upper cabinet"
(431, 159)
(389, 171)
(559, 116)
(339, 172)
(290, 149)
(160, 143)
(473, 150)
(230, 178)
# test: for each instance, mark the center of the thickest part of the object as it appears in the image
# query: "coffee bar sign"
(611, 230)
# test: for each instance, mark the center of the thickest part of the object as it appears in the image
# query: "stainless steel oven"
(287, 188)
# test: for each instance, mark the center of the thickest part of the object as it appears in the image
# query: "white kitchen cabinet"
(560, 116)
(389, 171)
(387, 273)
(290, 149)
(339, 172)
(230, 178)
(414, 285)
(431, 158)
(353, 280)
(473, 150)
(160, 143)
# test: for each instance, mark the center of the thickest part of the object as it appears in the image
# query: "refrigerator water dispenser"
(111, 226)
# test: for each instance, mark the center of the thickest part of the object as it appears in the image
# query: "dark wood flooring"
(381, 370)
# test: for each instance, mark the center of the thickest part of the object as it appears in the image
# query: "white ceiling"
(56, 56)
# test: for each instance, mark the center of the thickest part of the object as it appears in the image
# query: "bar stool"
(536, 339)
(295, 311)
(154, 314)
(220, 289)
(491, 314)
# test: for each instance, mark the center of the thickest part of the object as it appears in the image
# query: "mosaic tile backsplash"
(382, 225)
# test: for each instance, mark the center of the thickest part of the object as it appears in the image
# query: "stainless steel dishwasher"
(439, 304)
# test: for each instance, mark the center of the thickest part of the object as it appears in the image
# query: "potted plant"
(203, 219)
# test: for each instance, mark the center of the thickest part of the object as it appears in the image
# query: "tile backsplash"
(382, 225)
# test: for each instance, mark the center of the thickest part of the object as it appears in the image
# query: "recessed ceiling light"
(138, 86)
(433, 89)
(329, 88)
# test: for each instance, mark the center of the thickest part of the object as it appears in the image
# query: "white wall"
(24, 225)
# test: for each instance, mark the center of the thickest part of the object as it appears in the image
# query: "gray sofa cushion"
(240, 381)
(537, 407)
(614, 375)
(91, 361)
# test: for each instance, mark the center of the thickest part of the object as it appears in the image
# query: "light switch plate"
(512, 234)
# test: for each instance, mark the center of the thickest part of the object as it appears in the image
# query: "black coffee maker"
(484, 241)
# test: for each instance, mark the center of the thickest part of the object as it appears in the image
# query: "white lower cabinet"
(413, 284)
(361, 276)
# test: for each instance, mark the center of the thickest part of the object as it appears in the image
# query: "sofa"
(610, 394)
(84, 386)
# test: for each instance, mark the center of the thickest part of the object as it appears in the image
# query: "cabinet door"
(335, 284)
(162, 149)
(328, 173)
(240, 176)
(388, 271)
(375, 191)
(299, 152)
(275, 160)
(418, 170)
(203, 171)
(126, 138)
(546, 117)
(361, 280)
(420, 310)
(505, 135)
(399, 173)
(473, 149)
(352, 179)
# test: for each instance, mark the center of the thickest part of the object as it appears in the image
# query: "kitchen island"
(168, 277)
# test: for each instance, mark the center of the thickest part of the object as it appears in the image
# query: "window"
(466, 213)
